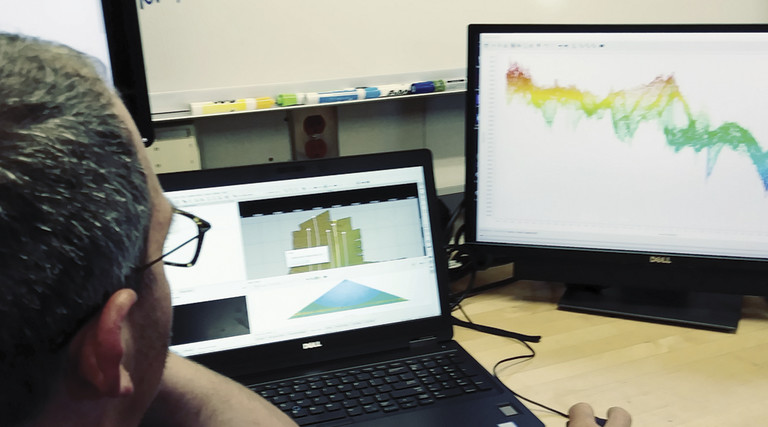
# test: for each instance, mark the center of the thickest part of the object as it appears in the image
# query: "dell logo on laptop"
(661, 260)
(311, 345)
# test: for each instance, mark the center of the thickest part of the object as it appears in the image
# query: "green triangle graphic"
(347, 295)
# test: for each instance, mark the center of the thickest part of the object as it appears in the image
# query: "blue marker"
(338, 96)
(428, 86)
(371, 92)
(423, 87)
(288, 99)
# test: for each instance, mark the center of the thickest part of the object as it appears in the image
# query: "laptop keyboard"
(375, 389)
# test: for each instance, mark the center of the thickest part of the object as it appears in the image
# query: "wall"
(204, 50)
(191, 35)
(435, 122)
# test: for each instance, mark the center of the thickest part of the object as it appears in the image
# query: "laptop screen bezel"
(290, 352)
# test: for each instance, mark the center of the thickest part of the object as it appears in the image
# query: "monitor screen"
(620, 154)
(105, 30)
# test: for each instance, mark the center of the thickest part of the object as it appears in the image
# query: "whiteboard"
(207, 50)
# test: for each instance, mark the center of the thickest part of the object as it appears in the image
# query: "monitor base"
(718, 312)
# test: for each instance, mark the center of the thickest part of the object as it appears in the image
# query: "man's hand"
(582, 415)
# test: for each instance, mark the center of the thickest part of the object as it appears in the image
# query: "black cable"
(453, 238)
(541, 405)
(464, 313)
(456, 253)
(456, 299)
(519, 396)
(524, 339)
(460, 262)
(454, 216)
(496, 331)
(471, 290)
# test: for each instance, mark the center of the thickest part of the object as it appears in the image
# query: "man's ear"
(101, 349)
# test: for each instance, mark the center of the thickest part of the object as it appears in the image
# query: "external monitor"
(627, 161)
(106, 30)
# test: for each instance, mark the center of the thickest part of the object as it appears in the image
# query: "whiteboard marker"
(226, 106)
(288, 99)
(394, 90)
(264, 102)
(428, 86)
(334, 96)
(456, 84)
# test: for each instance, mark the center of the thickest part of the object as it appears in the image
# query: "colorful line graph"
(660, 101)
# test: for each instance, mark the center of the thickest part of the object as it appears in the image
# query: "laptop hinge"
(423, 342)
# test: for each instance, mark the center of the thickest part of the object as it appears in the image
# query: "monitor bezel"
(121, 23)
(599, 266)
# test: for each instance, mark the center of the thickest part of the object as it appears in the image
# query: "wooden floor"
(663, 375)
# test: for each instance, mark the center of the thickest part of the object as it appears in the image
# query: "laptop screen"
(304, 257)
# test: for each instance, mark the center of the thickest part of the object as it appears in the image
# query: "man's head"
(75, 215)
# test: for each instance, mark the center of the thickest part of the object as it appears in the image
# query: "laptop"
(322, 285)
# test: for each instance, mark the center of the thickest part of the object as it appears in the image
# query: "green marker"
(288, 99)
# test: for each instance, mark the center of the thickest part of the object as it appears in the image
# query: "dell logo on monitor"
(661, 260)
(311, 345)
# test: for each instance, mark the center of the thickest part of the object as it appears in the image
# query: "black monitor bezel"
(584, 265)
(121, 23)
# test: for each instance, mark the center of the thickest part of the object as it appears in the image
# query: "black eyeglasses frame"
(202, 227)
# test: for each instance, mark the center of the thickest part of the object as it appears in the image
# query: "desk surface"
(663, 375)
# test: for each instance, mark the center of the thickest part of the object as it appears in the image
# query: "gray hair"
(74, 212)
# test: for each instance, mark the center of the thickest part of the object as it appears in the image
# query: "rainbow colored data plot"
(658, 100)
(347, 295)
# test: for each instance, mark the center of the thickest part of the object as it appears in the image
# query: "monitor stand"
(693, 309)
